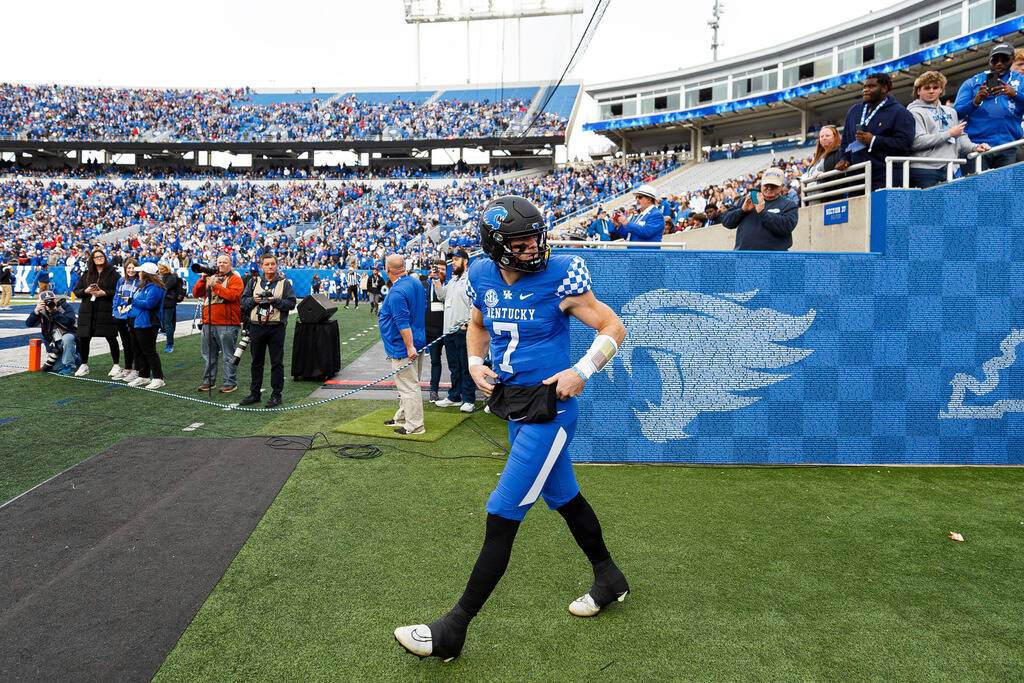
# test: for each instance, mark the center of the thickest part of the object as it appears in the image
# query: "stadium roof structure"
(784, 111)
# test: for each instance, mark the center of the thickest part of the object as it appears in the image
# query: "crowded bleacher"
(62, 113)
(309, 224)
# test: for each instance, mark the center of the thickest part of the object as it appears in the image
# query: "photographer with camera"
(56, 318)
(221, 290)
(266, 302)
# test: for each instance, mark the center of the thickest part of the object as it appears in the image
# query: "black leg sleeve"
(585, 528)
(491, 564)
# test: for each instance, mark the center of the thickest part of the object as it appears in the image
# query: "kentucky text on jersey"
(528, 329)
(511, 313)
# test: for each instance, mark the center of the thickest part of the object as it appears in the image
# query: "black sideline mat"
(103, 567)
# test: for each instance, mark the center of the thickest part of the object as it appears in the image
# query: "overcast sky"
(338, 43)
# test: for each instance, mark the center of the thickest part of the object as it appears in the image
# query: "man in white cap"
(648, 225)
(765, 220)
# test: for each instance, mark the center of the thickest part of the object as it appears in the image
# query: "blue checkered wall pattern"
(907, 355)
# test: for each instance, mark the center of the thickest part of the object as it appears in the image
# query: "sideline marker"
(192, 427)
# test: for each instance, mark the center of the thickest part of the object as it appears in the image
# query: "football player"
(522, 300)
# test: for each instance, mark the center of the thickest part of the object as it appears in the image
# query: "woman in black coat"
(96, 291)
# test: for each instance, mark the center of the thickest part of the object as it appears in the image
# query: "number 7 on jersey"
(513, 330)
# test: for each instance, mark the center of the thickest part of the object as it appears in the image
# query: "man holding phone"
(766, 218)
(992, 102)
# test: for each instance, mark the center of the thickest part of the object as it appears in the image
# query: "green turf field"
(45, 438)
(737, 573)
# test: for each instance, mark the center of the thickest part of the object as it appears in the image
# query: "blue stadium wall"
(906, 355)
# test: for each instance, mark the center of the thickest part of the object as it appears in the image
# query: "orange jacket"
(226, 306)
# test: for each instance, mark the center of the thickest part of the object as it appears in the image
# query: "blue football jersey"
(529, 332)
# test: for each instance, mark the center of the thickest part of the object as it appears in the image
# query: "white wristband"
(597, 356)
(475, 360)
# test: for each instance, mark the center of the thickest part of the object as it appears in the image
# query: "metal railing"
(976, 156)
(854, 181)
(616, 244)
(906, 161)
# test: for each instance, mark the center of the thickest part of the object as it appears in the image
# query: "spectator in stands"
(713, 217)
(601, 227)
(994, 114)
(222, 316)
(147, 306)
(766, 224)
(60, 319)
(96, 312)
(169, 317)
(880, 127)
(939, 134)
(403, 334)
(648, 225)
(826, 154)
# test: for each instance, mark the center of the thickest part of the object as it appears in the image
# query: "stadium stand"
(63, 113)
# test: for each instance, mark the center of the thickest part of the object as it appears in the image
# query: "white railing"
(854, 181)
(906, 161)
(998, 148)
(616, 244)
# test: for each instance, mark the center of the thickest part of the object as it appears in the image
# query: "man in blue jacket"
(880, 127)
(994, 115)
(403, 329)
(648, 225)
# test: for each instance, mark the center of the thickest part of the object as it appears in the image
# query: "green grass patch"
(737, 574)
(437, 422)
(45, 438)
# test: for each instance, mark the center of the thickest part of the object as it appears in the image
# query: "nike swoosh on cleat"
(526, 296)
(418, 638)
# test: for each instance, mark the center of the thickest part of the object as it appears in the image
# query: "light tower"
(716, 13)
(435, 11)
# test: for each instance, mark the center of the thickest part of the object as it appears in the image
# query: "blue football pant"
(538, 465)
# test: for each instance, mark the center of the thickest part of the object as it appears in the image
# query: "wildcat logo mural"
(708, 349)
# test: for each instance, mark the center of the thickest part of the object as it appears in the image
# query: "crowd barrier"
(903, 355)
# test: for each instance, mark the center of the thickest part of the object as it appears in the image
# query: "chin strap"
(597, 356)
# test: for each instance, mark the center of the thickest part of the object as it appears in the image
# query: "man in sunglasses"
(992, 102)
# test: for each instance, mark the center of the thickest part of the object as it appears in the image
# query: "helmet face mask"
(511, 218)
